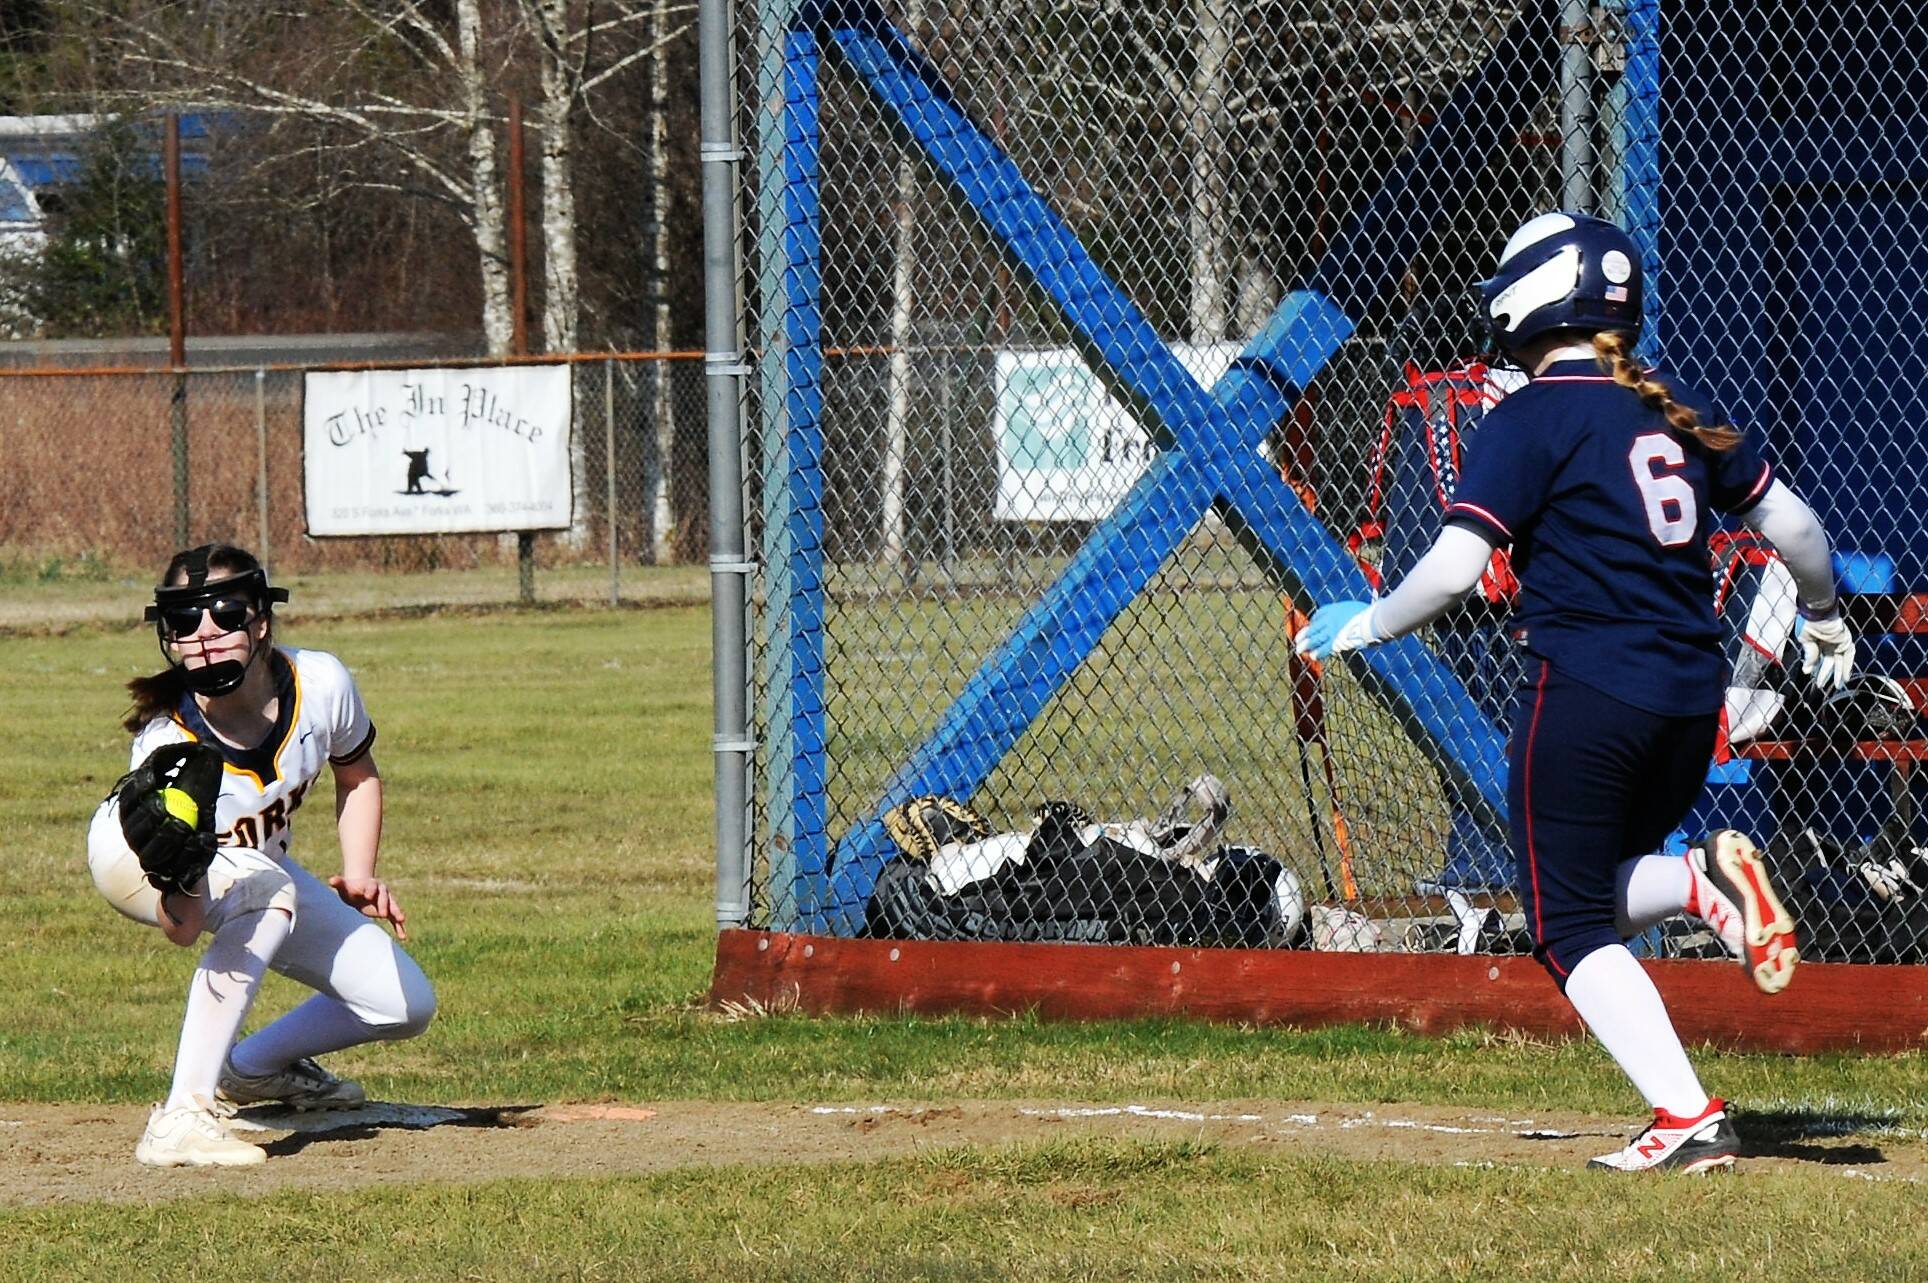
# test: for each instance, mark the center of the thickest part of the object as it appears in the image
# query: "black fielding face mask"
(215, 679)
(234, 602)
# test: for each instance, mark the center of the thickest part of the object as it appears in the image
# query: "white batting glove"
(1827, 652)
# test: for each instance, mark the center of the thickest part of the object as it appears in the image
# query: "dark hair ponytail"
(155, 696)
(160, 694)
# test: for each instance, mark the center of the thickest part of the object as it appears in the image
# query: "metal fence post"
(726, 369)
(1576, 106)
(261, 459)
(609, 473)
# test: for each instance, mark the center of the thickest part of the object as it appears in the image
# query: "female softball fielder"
(276, 716)
(1602, 476)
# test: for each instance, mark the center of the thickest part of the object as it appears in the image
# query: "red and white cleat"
(1698, 1144)
(1729, 891)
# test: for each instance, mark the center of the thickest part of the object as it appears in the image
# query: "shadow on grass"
(1790, 1133)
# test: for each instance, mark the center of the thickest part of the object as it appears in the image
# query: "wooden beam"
(1829, 1007)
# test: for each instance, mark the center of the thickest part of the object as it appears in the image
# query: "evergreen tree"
(103, 269)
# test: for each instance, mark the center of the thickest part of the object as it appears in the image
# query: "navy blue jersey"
(1608, 511)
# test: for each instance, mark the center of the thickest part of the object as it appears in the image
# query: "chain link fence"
(1090, 340)
(116, 469)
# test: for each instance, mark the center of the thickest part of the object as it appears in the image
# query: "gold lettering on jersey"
(253, 830)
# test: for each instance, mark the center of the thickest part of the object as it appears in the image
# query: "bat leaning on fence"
(1309, 728)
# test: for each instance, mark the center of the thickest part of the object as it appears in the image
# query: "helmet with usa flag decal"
(1563, 271)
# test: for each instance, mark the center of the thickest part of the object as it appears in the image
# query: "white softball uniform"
(331, 947)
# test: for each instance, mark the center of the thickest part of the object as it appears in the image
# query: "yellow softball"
(181, 806)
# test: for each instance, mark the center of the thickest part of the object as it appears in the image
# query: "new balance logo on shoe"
(1698, 1144)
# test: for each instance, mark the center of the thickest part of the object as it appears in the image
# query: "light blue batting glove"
(1335, 628)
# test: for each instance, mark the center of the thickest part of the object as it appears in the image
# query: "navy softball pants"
(1592, 782)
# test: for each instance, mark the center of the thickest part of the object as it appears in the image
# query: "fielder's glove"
(1336, 628)
(923, 824)
(167, 808)
(1827, 651)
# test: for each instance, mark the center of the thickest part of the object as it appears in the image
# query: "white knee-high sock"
(1617, 999)
(225, 983)
(1651, 889)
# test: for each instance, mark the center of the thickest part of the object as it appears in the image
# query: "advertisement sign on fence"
(1065, 450)
(437, 451)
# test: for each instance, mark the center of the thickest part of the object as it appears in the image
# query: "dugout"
(1761, 289)
(1784, 279)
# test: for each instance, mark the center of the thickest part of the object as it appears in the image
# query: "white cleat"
(1732, 894)
(191, 1136)
(1671, 1143)
(304, 1085)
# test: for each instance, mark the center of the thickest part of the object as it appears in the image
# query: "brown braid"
(1610, 350)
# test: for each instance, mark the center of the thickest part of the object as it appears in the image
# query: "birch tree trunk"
(561, 302)
(662, 516)
(894, 548)
(491, 235)
(894, 544)
(1209, 217)
(1258, 295)
(560, 295)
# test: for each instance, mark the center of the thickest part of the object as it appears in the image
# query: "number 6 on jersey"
(1656, 460)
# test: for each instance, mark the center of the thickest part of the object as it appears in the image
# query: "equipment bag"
(1853, 902)
(1100, 891)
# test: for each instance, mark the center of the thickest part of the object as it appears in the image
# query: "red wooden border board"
(1829, 1007)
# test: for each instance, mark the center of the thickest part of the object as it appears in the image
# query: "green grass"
(550, 834)
(1096, 1210)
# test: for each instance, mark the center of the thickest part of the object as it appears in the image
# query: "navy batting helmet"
(1563, 271)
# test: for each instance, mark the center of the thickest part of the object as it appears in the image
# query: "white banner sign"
(1065, 450)
(411, 452)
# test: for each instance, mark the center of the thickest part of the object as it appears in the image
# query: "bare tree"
(662, 518)
(568, 35)
(399, 80)
(419, 82)
(582, 46)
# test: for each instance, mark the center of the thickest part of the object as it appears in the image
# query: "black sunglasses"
(229, 613)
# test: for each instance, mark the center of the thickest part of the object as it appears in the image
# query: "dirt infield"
(52, 1154)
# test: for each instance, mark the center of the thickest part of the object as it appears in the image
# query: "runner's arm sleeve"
(1445, 574)
(1785, 520)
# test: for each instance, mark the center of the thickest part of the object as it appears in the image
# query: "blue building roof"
(43, 169)
(54, 156)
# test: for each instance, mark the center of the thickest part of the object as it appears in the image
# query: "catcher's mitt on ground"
(167, 814)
